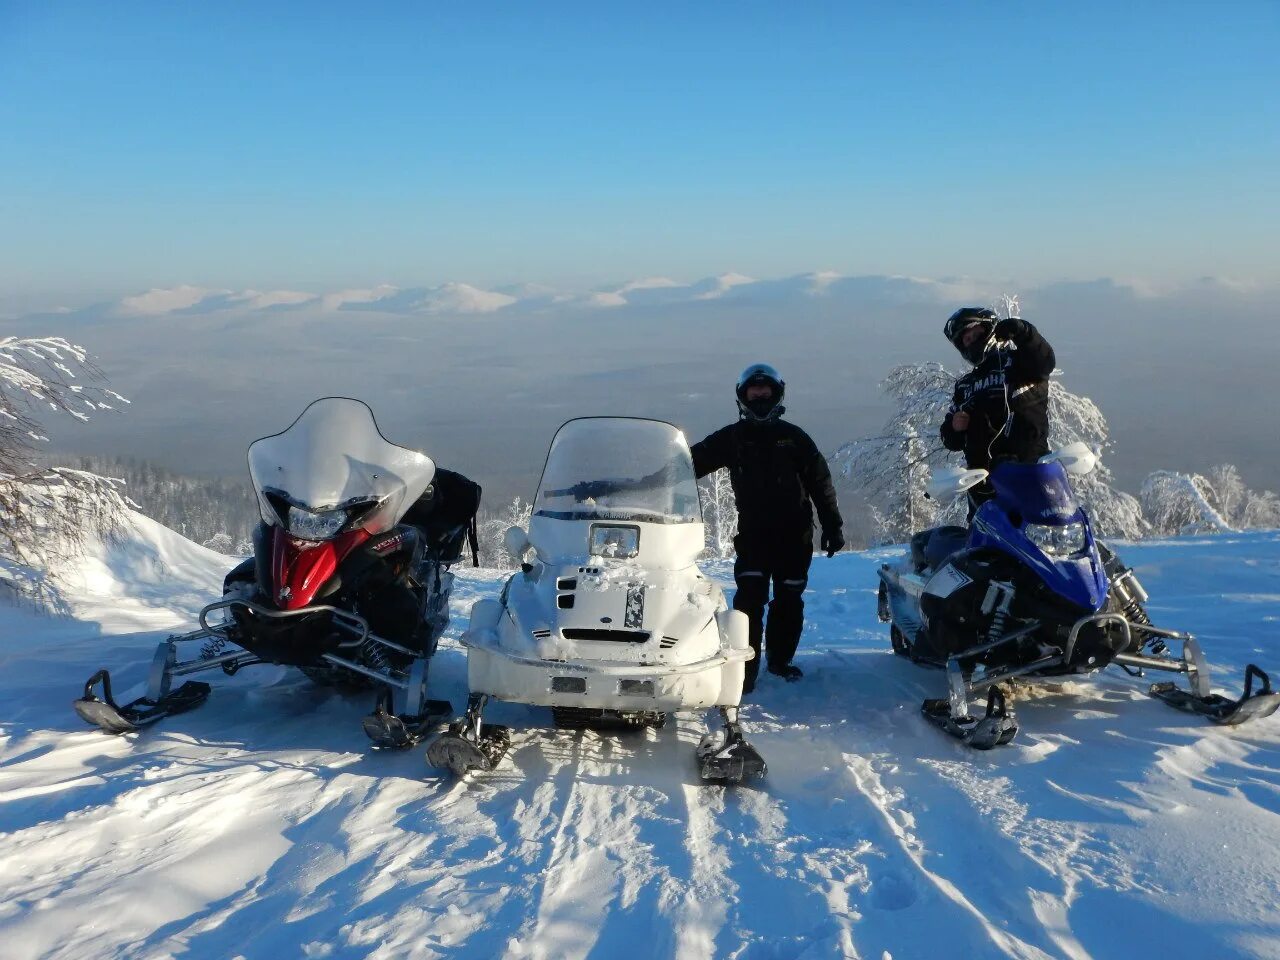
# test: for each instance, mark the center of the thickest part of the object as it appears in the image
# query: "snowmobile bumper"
(1252, 704)
(608, 685)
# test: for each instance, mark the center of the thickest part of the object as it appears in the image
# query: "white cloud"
(259, 300)
(649, 283)
(606, 300)
(618, 297)
(161, 300)
(718, 286)
(464, 298)
(456, 298)
(332, 301)
(818, 282)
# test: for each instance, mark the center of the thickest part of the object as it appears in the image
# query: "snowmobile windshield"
(334, 470)
(617, 468)
(1037, 492)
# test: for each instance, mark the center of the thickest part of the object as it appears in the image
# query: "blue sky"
(310, 144)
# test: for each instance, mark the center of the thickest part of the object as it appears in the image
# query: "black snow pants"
(785, 562)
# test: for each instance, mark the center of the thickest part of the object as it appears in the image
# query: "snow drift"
(262, 826)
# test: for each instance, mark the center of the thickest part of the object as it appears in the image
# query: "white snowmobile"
(338, 585)
(612, 624)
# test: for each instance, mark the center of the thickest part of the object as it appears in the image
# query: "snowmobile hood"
(614, 612)
(334, 457)
(1079, 578)
(301, 568)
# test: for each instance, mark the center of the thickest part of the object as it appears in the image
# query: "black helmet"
(761, 409)
(962, 320)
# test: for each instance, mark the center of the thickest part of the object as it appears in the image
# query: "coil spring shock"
(372, 655)
(996, 603)
(212, 648)
(1132, 610)
(1129, 595)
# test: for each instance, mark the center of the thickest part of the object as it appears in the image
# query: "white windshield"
(332, 458)
(618, 468)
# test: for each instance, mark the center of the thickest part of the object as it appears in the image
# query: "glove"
(832, 542)
(1007, 329)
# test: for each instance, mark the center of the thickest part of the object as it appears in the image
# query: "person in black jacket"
(779, 477)
(1000, 408)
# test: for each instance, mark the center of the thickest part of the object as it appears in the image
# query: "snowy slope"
(261, 825)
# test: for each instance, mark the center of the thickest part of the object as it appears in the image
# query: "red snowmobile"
(348, 582)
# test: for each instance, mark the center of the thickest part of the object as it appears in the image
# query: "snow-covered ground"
(261, 826)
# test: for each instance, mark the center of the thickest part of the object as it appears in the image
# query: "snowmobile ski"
(995, 728)
(1252, 705)
(724, 756)
(470, 743)
(110, 717)
(460, 751)
(391, 731)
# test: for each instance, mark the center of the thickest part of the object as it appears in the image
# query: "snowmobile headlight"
(310, 525)
(615, 542)
(1063, 541)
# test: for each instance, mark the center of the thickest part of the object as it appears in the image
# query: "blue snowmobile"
(1026, 592)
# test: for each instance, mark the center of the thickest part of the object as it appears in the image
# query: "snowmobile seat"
(931, 548)
(446, 515)
(449, 544)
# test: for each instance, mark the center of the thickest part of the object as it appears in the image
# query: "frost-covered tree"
(1179, 503)
(491, 527)
(1260, 510)
(910, 508)
(889, 471)
(1189, 503)
(1244, 509)
(47, 512)
(200, 508)
(719, 513)
(220, 543)
(1075, 418)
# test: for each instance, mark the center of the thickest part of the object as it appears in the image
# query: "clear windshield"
(617, 468)
(333, 457)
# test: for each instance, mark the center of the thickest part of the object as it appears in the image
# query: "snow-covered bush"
(492, 525)
(1190, 503)
(47, 512)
